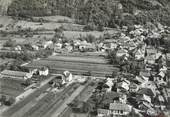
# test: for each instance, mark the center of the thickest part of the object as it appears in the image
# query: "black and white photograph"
(84, 58)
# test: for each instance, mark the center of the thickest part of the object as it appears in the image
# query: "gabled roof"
(122, 51)
(103, 111)
(119, 106)
(146, 91)
(14, 73)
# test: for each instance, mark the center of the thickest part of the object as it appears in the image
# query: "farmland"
(14, 89)
(76, 65)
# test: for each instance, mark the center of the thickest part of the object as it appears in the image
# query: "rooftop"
(14, 73)
(119, 106)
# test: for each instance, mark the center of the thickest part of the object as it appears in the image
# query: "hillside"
(4, 6)
(97, 12)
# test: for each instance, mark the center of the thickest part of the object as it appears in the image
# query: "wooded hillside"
(97, 12)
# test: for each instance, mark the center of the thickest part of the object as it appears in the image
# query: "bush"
(89, 28)
(90, 38)
(10, 101)
(1, 25)
(10, 43)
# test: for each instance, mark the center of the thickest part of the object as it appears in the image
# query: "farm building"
(119, 109)
(16, 75)
(44, 71)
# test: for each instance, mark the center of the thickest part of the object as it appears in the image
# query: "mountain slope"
(4, 6)
(97, 12)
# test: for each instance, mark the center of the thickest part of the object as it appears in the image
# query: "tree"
(10, 43)
(10, 101)
(112, 57)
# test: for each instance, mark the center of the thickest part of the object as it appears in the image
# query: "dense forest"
(97, 12)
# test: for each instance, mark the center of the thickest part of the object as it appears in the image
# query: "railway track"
(75, 66)
(48, 102)
(16, 107)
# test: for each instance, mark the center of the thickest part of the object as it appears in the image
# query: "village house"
(145, 73)
(57, 46)
(150, 59)
(109, 83)
(160, 80)
(131, 45)
(68, 77)
(159, 102)
(103, 113)
(16, 75)
(87, 47)
(123, 86)
(133, 88)
(144, 103)
(119, 109)
(43, 71)
(144, 98)
(69, 48)
(33, 70)
(139, 54)
(122, 52)
(109, 44)
(147, 91)
(123, 98)
(35, 47)
(144, 106)
(151, 51)
(17, 48)
(140, 79)
(44, 44)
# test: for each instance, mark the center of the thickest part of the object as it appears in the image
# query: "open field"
(14, 89)
(55, 18)
(76, 65)
(4, 61)
(83, 59)
(37, 25)
(77, 34)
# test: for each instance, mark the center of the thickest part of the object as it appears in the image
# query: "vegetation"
(97, 13)
(9, 43)
(25, 8)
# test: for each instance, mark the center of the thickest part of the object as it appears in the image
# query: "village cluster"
(141, 86)
(146, 91)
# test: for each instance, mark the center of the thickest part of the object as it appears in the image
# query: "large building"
(15, 75)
